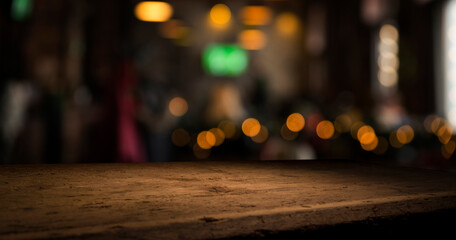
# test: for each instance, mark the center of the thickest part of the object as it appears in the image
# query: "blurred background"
(146, 81)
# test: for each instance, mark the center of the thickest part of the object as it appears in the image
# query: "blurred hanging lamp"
(153, 11)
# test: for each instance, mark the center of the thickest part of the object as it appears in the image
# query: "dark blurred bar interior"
(147, 81)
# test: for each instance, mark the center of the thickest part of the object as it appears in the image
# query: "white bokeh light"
(449, 62)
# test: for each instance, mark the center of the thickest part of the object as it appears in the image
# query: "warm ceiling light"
(256, 15)
(295, 122)
(287, 23)
(252, 39)
(152, 11)
(220, 14)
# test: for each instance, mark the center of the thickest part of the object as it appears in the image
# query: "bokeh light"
(448, 149)
(171, 29)
(295, 122)
(252, 39)
(368, 138)
(312, 121)
(178, 106)
(405, 134)
(251, 127)
(387, 78)
(389, 47)
(394, 142)
(388, 60)
(447, 88)
(436, 124)
(256, 15)
(228, 127)
(354, 129)
(219, 136)
(153, 11)
(206, 140)
(287, 23)
(364, 130)
(445, 133)
(225, 60)
(369, 141)
(21, 9)
(388, 33)
(180, 137)
(342, 123)
(287, 134)
(325, 129)
(220, 14)
(428, 123)
(262, 136)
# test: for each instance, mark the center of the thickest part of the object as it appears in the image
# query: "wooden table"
(207, 200)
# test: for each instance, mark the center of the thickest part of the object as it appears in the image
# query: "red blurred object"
(130, 147)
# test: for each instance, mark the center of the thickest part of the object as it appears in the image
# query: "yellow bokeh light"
(445, 133)
(220, 14)
(178, 106)
(153, 11)
(251, 127)
(364, 130)
(368, 138)
(354, 129)
(325, 129)
(252, 39)
(372, 140)
(206, 140)
(405, 134)
(228, 128)
(428, 123)
(180, 137)
(436, 124)
(388, 33)
(262, 136)
(448, 149)
(295, 122)
(287, 23)
(256, 15)
(219, 136)
(287, 134)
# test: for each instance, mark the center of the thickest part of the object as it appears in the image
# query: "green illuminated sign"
(21, 9)
(225, 60)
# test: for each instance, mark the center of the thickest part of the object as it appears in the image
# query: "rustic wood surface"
(206, 200)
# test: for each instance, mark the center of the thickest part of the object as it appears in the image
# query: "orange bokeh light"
(325, 129)
(295, 122)
(251, 127)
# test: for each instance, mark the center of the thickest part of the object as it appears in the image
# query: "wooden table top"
(207, 200)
